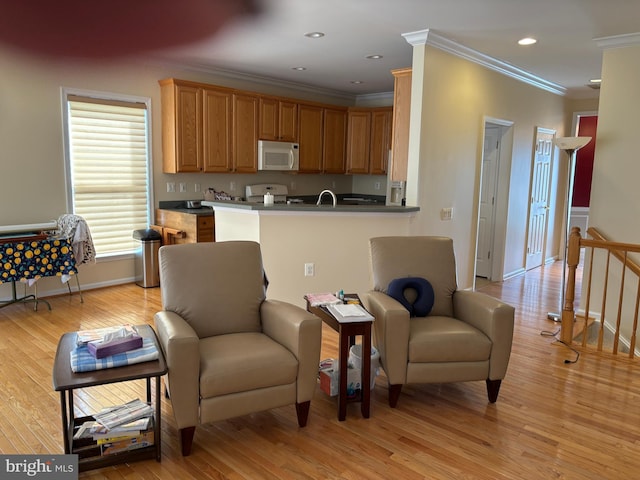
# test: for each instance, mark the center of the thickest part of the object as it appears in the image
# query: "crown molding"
(256, 79)
(618, 41)
(429, 37)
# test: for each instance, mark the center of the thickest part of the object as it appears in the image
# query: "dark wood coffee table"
(65, 382)
(347, 331)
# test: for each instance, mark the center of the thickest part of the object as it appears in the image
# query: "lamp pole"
(570, 145)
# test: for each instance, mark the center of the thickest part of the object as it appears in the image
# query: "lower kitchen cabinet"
(195, 227)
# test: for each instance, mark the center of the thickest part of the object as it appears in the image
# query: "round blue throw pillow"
(424, 299)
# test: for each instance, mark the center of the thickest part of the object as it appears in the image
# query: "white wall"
(446, 151)
(336, 243)
(615, 196)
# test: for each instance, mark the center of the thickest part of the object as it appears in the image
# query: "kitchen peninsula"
(334, 240)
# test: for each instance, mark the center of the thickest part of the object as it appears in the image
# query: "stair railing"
(620, 252)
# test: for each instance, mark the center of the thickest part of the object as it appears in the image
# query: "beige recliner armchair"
(456, 335)
(229, 350)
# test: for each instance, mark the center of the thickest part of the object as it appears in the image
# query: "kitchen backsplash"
(191, 186)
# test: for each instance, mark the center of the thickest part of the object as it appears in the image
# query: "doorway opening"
(493, 198)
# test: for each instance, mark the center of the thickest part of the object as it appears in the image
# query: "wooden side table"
(65, 382)
(347, 331)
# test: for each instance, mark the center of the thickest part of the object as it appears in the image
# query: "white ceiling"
(270, 44)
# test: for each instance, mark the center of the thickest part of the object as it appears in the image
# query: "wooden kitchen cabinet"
(196, 128)
(334, 140)
(278, 120)
(181, 128)
(310, 128)
(400, 124)
(245, 133)
(368, 140)
(216, 131)
(196, 227)
(358, 140)
(381, 119)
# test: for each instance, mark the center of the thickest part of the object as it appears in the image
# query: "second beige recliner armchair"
(229, 350)
(461, 336)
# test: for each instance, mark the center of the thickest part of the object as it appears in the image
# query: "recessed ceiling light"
(314, 34)
(357, 82)
(527, 41)
(374, 57)
(299, 69)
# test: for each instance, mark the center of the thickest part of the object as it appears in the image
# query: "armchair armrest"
(391, 329)
(494, 318)
(301, 333)
(180, 345)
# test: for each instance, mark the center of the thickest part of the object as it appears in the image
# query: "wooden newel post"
(568, 313)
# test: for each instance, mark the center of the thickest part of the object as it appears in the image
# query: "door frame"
(503, 166)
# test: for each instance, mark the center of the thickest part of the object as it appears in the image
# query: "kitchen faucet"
(333, 197)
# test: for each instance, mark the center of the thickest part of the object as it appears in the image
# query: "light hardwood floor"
(552, 419)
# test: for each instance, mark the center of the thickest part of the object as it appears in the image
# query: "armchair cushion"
(238, 362)
(445, 339)
(421, 302)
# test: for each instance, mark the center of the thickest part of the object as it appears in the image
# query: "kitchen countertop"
(310, 207)
(180, 206)
(192, 211)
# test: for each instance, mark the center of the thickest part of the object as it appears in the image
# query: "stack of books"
(117, 429)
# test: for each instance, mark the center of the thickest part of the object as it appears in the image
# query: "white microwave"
(278, 156)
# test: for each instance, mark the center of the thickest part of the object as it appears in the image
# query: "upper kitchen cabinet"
(196, 128)
(181, 127)
(368, 140)
(310, 128)
(380, 140)
(400, 128)
(358, 140)
(334, 140)
(216, 130)
(278, 120)
(245, 133)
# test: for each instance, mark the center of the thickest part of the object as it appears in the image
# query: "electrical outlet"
(309, 269)
(232, 186)
(376, 185)
(446, 214)
(171, 187)
(183, 187)
(293, 185)
(196, 187)
(333, 184)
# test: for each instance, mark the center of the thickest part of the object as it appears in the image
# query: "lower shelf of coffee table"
(90, 454)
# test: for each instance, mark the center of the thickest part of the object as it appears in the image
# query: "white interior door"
(488, 189)
(539, 201)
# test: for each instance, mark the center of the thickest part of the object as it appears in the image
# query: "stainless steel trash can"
(146, 259)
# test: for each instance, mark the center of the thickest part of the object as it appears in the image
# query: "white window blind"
(108, 162)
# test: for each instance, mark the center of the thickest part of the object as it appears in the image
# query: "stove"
(256, 193)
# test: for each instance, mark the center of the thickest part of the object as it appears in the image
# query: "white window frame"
(65, 93)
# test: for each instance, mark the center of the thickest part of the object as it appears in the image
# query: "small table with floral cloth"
(29, 260)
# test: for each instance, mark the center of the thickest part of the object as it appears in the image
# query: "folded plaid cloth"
(83, 361)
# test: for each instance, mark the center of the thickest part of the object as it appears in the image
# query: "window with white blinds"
(108, 169)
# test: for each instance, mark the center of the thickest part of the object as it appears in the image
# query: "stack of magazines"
(322, 299)
(117, 429)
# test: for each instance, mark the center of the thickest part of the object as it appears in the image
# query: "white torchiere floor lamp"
(570, 145)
